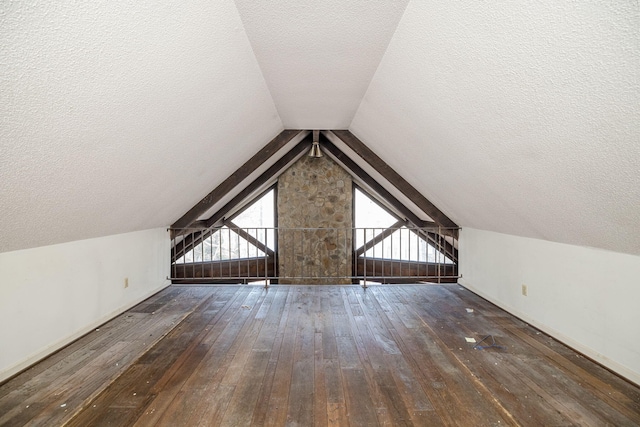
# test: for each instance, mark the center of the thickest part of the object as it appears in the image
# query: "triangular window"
(406, 245)
(370, 218)
(259, 219)
(222, 245)
(248, 236)
(381, 235)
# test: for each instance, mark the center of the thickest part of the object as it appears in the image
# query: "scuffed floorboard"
(317, 355)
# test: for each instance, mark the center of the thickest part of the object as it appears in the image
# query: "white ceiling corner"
(318, 57)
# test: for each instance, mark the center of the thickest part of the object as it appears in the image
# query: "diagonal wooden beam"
(249, 238)
(438, 241)
(259, 181)
(195, 226)
(380, 237)
(194, 237)
(191, 239)
(235, 178)
(394, 178)
(373, 184)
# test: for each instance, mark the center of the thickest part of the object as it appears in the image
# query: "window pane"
(405, 245)
(258, 219)
(370, 216)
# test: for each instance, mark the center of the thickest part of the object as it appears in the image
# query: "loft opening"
(281, 227)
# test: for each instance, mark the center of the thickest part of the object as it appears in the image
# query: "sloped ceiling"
(119, 116)
(318, 57)
(518, 117)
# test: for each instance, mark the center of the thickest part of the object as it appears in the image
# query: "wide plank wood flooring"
(317, 356)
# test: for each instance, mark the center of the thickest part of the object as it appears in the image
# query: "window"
(370, 219)
(379, 234)
(248, 235)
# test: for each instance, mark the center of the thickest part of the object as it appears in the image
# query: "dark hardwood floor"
(317, 355)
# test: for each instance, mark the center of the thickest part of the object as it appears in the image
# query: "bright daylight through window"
(257, 221)
(401, 243)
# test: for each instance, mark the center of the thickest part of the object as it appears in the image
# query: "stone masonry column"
(315, 218)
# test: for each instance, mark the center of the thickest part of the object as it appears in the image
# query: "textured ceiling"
(318, 57)
(522, 119)
(517, 117)
(119, 116)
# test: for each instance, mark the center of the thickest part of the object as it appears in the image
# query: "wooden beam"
(443, 245)
(438, 241)
(397, 271)
(236, 271)
(191, 239)
(258, 182)
(235, 178)
(373, 184)
(394, 178)
(196, 226)
(195, 237)
(249, 238)
(380, 237)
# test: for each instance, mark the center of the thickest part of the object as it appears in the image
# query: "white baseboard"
(52, 348)
(621, 370)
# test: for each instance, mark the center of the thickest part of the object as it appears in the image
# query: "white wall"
(51, 295)
(587, 298)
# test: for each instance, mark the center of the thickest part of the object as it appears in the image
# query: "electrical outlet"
(126, 282)
(524, 290)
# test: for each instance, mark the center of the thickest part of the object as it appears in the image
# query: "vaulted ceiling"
(518, 117)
